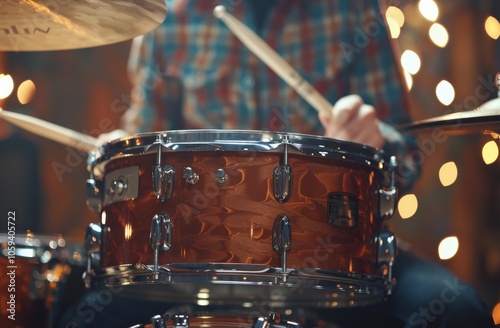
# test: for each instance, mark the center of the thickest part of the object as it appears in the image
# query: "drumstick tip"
(219, 11)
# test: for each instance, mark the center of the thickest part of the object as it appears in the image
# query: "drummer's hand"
(353, 120)
(113, 135)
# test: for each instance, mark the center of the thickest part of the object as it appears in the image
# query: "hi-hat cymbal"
(483, 120)
(43, 25)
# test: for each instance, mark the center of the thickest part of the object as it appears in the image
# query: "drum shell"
(233, 222)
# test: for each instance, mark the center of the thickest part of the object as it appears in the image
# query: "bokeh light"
(448, 248)
(26, 92)
(6, 86)
(395, 20)
(496, 314)
(394, 28)
(492, 27)
(439, 35)
(396, 14)
(429, 9)
(410, 62)
(490, 152)
(445, 92)
(407, 206)
(409, 80)
(448, 174)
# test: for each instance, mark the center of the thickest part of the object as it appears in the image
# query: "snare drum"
(244, 215)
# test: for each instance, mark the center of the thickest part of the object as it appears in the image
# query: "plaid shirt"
(191, 72)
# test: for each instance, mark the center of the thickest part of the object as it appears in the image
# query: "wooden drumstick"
(51, 131)
(275, 62)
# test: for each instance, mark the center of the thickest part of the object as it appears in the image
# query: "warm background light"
(496, 314)
(410, 61)
(445, 92)
(407, 206)
(409, 80)
(448, 248)
(6, 86)
(490, 152)
(448, 174)
(439, 35)
(396, 14)
(428, 9)
(395, 20)
(394, 28)
(492, 27)
(26, 92)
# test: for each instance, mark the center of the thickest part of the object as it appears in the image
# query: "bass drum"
(244, 215)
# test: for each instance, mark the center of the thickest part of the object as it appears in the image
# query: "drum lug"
(190, 175)
(181, 320)
(282, 238)
(283, 178)
(387, 196)
(387, 251)
(282, 183)
(163, 182)
(92, 246)
(163, 176)
(157, 322)
(94, 194)
(94, 187)
(387, 202)
(160, 236)
(273, 320)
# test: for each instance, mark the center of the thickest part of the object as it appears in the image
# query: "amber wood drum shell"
(233, 223)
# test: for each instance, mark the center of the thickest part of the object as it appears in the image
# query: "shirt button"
(248, 82)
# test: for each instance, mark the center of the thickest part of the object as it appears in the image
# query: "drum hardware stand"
(387, 250)
(190, 175)
(163, 176)
(160, 236)
(92, 245)
(282, 240)
(283, 177)
(274, 320)
(387, 200)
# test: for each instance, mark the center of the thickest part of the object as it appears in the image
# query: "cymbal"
(41, 25)
(483, 120)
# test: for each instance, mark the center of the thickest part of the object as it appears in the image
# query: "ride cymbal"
(484, 120)
(44, 25)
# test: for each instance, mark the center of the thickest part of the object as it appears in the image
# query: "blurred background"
(450, 52)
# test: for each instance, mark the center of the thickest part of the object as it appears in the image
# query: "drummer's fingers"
(364, 128)
(344, 110)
